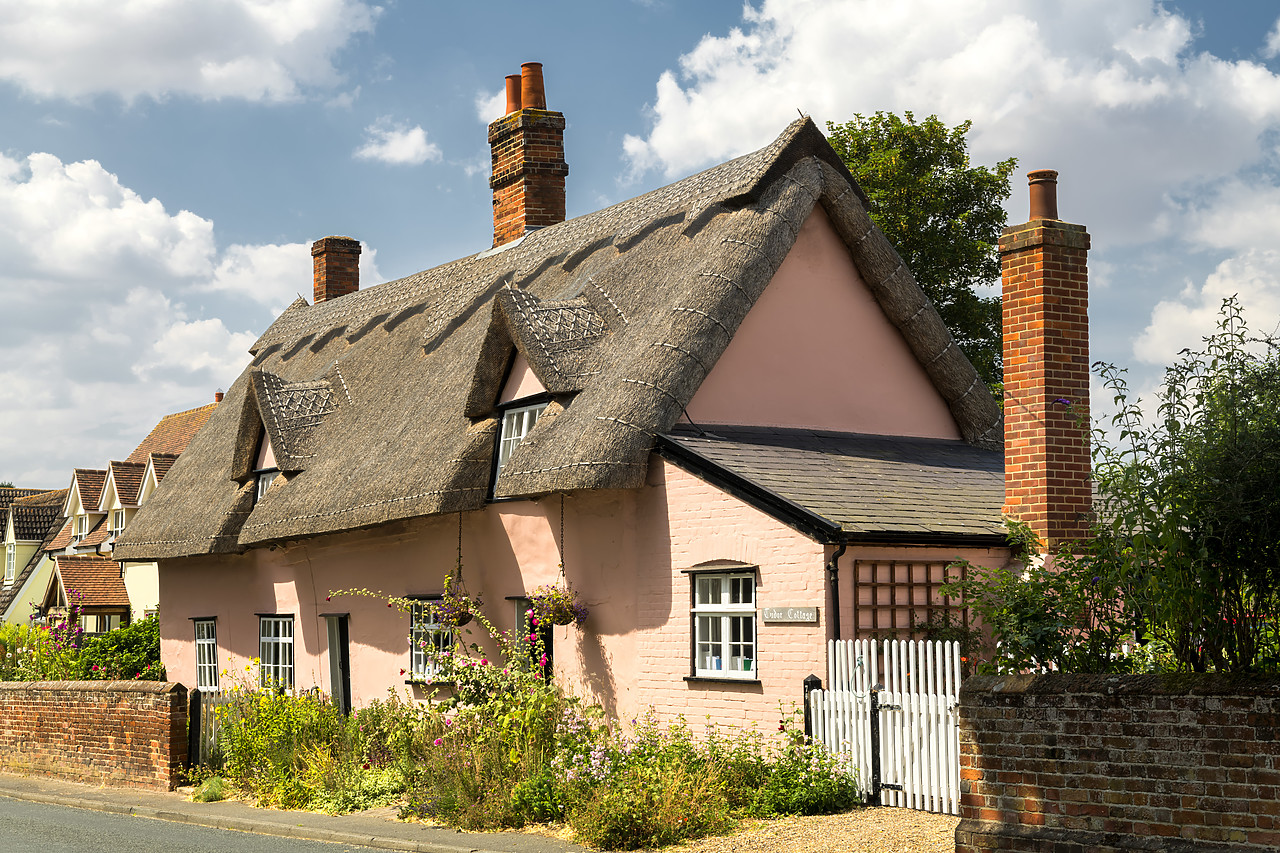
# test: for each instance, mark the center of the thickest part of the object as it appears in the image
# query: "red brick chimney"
(1046, 369)
(528, 160)
(335, 267)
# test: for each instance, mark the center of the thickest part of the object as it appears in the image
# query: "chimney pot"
(1044, 193)
(513, 93)
(335, 268)
(217, 396)
(533, 95)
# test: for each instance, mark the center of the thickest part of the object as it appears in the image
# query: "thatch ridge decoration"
(640, 301)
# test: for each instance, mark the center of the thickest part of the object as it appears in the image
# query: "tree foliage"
(1185, 552)
(943, 215)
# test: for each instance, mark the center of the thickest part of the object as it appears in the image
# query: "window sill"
(422, 682)
(720, 679)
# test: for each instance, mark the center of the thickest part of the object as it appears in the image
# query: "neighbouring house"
(71, 532)
(31, 518)
(723, 411)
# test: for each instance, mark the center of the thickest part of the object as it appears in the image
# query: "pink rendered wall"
(624, 552)
(521, 382)
(817, 352)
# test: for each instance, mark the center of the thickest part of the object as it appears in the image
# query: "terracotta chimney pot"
(1044, 193)
(217, 396)
(532, 94)
(513, 93)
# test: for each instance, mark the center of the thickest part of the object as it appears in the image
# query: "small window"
(116, 522)
(276, 651)
(206, 655)
(426, 636)
(80, 528)
(724, 624)
(10, 563)
(265, 479)
(516, 424)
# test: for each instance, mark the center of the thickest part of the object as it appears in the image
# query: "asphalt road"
(27, 827)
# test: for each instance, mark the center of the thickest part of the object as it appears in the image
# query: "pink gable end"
(817, 352)
(521, 382)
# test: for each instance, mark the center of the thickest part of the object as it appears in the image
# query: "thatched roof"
(380, 405)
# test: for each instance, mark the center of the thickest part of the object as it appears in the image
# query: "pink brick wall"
(1076, 763)
(125, 733)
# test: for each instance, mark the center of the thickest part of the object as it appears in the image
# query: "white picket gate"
(914, 686)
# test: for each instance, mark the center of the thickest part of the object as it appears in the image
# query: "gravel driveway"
(873, 830)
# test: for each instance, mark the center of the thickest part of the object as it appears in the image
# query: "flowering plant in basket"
(558, 605)
(455, 607)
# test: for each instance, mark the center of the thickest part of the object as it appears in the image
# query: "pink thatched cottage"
(724, 406)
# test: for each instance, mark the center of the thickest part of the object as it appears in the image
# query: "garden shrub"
(129, 652)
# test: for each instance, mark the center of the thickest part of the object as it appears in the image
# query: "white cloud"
(491, 106)
(115, 313)
(1238, 214)
(259, 50)
(397, 144)
(1109, 92)
(1254, 277)
(1272, 48)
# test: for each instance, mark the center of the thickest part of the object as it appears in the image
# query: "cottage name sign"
(790, 614)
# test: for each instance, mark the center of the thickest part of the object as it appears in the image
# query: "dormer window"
(116, 522)
(265, 469)
(10, 563)
(516, 424)
(79, 529)
(265, 479)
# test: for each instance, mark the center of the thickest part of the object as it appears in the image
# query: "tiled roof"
(89, 482)
(34, 515)
(898, 487)
(8, 594)
(127, 477)
(97, 579)
(9, 495)
(173, 433)
(96, 536)
(61, 539)
(162, 462)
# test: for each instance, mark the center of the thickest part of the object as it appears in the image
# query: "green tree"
(6, 485)
(941, 213)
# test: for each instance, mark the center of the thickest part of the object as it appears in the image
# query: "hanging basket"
(558, 605)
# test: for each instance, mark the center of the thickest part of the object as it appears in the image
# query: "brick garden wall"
(1075, 763)
(127, 733)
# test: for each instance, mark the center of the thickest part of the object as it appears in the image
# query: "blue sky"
(165, 165)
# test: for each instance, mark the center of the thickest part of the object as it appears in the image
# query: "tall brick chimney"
(1046, 369)
(335, 268)
(528, 160)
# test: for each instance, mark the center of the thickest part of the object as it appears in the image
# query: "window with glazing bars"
(426, 638)
(724, 618)
(516, 424)
(206, 655)
(276, 651)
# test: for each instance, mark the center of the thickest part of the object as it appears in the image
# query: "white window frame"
(266, 477)
(726, 641)
(517, 423)
(79, 528)
(206, 655)
(275, 651)
(115, 521)
(10, 563)
(423, 626)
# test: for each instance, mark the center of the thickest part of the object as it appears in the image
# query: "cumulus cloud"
(397, 144)
(1253, 277)
(1110, 92)
(490, 106)
(1272, 48)
(259, 50)
(114, 312)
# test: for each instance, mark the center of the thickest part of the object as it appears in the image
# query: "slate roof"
(381, 404)
(97, 579)
(844, 485)
(34, 515)
(173, 433)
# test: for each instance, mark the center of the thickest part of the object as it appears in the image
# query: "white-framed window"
(516, 424)
(425, 634)
(10, 563)
(724, 625)
(79, 529)
(206, 655)
(115, 523)
(275, 651)
(265, 479)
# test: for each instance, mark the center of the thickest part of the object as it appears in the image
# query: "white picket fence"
(918, 686)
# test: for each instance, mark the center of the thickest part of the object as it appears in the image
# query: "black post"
(811, 683)
(874, 799)
(193, 728)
